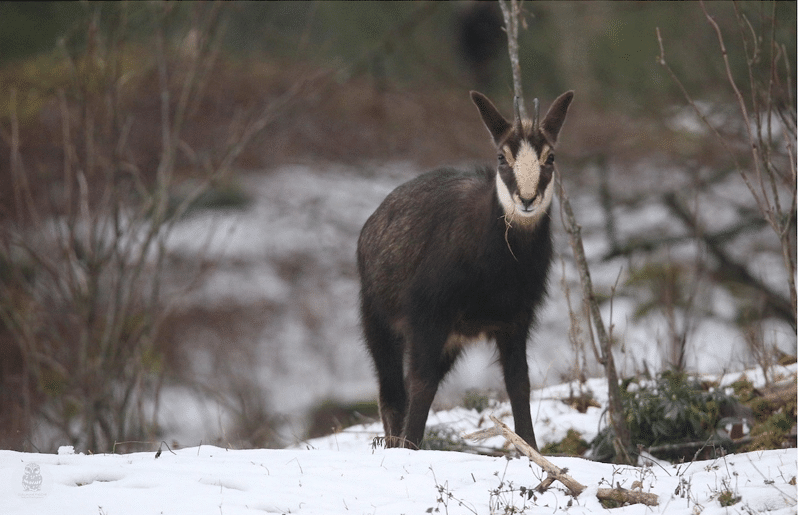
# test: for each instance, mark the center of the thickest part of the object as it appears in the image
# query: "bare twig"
(622, 442)
(511, 16)
(575, 332)
(704, 119)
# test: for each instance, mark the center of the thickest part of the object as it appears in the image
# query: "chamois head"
(525, 156)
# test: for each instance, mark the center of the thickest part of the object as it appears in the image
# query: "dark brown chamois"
(456, 256)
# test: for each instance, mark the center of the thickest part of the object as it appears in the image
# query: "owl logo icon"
(32, 478)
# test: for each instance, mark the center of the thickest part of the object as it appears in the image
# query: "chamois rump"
(451, 257)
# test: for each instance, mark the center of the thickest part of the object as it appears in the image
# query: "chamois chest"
(440, 245)
(507, 281)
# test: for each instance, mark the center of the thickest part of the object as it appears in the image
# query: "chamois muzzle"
(527, 204)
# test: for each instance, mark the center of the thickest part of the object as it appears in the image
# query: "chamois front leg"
(429, 363)
(513, 356)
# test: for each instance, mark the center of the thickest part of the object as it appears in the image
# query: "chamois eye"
(551, 159)
(501, 157)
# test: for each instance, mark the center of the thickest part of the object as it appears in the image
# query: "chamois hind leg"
(513, 357)
(429, 363)
(386, 348)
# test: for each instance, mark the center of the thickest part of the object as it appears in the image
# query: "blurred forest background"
(183, 185)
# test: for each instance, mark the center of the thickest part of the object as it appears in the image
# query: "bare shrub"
(762, 146)
(83, 253)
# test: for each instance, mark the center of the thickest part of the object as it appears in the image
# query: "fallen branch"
(622, 496)
(553, 473)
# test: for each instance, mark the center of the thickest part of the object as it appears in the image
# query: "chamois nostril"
(526, 203)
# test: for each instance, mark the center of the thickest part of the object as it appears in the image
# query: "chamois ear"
(553, 121)
(496, 124)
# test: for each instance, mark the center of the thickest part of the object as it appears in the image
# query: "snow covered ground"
(344, 473)
(307, 220)
(212, 480)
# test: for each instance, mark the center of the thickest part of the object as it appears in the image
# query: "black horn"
(517, 111)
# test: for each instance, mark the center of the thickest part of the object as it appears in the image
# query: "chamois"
(451, 257)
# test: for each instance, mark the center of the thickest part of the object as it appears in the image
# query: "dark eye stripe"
(546, 177)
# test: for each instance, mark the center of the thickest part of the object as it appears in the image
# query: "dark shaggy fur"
(440, 266)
